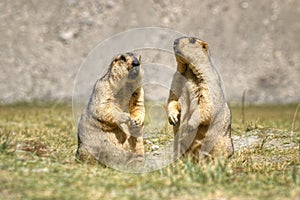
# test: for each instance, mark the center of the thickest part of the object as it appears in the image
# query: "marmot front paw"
(123, 118)
(174, 118)
(136, 123)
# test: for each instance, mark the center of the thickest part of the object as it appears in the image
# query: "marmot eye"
(192, 40)
(122, 57)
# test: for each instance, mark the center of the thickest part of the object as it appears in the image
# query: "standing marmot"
(197, 106)
(110, 127)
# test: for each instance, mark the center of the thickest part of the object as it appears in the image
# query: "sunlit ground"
(38, 143)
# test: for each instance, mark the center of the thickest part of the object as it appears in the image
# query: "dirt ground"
(254, 43)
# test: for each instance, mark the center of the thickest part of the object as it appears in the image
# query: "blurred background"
(256, 44)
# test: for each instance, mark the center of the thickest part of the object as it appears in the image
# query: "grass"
(38, 143)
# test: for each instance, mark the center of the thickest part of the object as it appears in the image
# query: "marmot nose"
(176, 41)
(135, 62)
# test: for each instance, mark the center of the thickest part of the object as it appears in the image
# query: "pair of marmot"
(110, 128)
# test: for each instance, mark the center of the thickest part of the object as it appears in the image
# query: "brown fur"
(110, 128)
(197, 106)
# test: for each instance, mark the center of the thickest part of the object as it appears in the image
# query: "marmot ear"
(122, 57)
(205, 46)
(119, 57)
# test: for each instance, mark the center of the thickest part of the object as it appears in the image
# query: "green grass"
(38, 144)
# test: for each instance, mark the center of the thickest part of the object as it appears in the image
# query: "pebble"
(148, 142)
(154, 147)
(66, 35)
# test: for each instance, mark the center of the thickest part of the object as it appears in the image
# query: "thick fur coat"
(197, 106)
(110, 128)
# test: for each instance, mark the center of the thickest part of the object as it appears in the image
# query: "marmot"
(197, 106)
(110, 127)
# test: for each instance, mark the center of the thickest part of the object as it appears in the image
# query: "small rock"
(155, 147)
(110, 4)
(166, 20)
(66, 35)
(148, 142)
(245, 5)
(41, 170)
(156, 154)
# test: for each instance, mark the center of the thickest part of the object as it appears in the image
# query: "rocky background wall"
(256, 44)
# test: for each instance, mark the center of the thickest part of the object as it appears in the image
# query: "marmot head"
(126, 66)
(189, 52)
